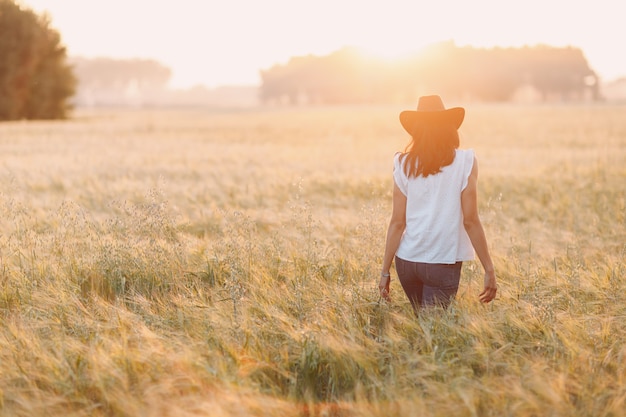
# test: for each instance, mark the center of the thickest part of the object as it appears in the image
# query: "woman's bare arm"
(394, 234)
(476, 233)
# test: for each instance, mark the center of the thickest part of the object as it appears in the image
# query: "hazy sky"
(216, 42)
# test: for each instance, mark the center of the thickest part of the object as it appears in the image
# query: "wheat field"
(225, 263)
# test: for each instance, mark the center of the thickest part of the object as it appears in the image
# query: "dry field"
(205, 263)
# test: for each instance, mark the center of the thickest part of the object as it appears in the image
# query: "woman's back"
(434, 222)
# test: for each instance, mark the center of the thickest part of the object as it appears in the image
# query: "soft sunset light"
(215, 43)
(219, 208)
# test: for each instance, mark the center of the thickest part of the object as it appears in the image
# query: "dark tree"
(35, 80)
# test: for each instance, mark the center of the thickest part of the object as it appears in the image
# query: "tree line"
(111, 82)
(37, 81)
(497, 74)
(110, 73)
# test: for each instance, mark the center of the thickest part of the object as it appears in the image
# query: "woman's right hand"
(490, 288)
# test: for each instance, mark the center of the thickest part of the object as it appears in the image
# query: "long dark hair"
(432, 147)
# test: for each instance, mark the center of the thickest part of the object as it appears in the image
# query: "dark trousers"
(429, 284)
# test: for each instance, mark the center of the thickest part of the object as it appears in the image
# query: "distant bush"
(35, 79)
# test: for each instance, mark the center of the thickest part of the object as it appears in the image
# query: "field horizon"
(197, 262)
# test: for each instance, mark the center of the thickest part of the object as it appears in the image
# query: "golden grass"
(190, 263)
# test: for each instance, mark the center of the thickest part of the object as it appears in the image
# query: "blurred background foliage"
(35, 78)
(38, 80)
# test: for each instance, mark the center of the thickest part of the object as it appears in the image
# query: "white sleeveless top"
(434, 219)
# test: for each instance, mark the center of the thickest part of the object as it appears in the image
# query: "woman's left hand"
(383, 287)
(490, 289)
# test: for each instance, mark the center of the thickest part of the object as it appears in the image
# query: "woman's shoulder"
(466, 154)
(468, 151)
(398, 158)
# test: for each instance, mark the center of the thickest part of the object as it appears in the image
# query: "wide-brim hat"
(430, 110)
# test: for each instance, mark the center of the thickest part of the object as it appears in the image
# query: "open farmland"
(205, 263)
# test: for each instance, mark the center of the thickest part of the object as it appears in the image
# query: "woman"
(434, 225)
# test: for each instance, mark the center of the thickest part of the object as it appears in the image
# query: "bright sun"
(391, 51)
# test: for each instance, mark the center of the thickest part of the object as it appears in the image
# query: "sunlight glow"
(215, 43)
